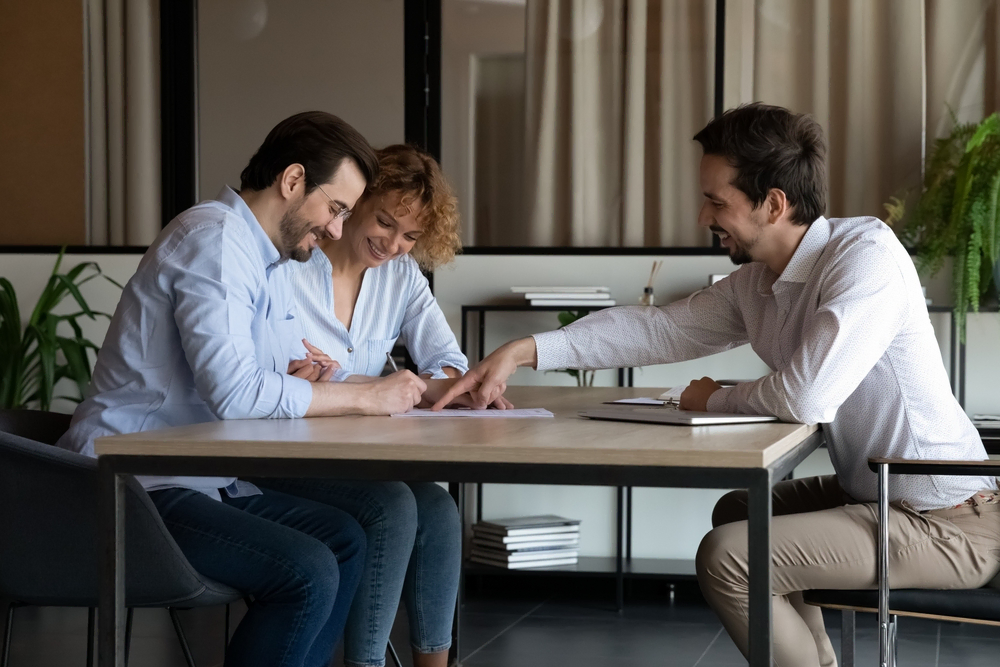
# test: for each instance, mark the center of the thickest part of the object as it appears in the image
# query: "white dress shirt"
(395, 302)
(846, 333)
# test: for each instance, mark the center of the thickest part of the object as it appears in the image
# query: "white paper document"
(637, 401)
(466, 412)
(673, 395)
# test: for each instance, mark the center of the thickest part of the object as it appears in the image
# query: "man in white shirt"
(834, 307)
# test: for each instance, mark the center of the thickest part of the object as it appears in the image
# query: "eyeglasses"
(338, 211)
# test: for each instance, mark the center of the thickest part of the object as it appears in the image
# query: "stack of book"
(565, 296)
(525, 542)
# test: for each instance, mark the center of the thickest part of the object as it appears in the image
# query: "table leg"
(454, 655)
(619, 569)
(111, 608)
(759, 536)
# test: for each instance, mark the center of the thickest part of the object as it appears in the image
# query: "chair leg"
(847, 638)
(91, 628)
(392, 654)
(180, 637)
(128, 633)
(8, 628)
(893, 627)
(225, 644)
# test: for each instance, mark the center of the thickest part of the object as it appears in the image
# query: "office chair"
(48, 525)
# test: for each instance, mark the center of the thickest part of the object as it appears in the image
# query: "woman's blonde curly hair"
(417, 176)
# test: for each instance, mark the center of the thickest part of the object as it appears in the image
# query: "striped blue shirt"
(203, 331)
(395, 303)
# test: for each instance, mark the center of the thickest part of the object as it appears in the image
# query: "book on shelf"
(523, 565)
(529, 525)
(528, 541)
(574, 296)
(572, 302)
(524, 557)
(524, 544)
(557, 289)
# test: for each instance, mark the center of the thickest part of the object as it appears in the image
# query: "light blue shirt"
(204, 330)
(395, 302)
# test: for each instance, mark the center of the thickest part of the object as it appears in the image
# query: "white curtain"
(123, 122)
(616, 89)
(882, 77)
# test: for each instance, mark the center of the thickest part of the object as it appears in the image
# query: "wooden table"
(563, 450)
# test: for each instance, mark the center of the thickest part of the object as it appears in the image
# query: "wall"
(260, 62)
(42, 175)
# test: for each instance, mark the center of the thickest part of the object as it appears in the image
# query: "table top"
(564, 439)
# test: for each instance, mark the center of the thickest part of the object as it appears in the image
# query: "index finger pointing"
(466, 383)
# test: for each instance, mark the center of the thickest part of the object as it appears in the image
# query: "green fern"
(957, 212)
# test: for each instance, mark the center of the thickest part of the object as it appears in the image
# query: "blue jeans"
(300, 560)
(414, 547)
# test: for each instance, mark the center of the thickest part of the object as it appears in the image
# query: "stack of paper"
(565, 296)
(526, 542)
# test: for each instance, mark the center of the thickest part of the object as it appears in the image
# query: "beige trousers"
(821, 538)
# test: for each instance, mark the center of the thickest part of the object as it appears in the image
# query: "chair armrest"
(927, 467)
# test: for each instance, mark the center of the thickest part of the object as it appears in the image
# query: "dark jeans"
(301, 560)
(414, 548)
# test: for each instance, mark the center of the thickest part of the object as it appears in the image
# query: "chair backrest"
(48, 533)
(46, 427)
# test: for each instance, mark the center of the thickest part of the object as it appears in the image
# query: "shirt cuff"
(340, 375)
(296, 395)
(552, 350)
(719, 401)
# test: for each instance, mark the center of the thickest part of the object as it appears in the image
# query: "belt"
(981, 498)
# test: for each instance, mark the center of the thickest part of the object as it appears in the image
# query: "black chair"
(979, 605)
(48, 526)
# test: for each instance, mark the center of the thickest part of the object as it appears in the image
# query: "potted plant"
(36, 355)
(956, 214)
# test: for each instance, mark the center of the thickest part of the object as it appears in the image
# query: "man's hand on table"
(696, 396)
(392, 394)
(436, 390)
(487, 382)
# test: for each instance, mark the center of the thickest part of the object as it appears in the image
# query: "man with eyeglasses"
(206, 330)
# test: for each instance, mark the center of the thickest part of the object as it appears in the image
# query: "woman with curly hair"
(356, 298)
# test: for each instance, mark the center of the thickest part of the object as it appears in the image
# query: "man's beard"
(292, 229)
(739, 255)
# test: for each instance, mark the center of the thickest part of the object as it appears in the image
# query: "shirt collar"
(265, 246)
(810, 249)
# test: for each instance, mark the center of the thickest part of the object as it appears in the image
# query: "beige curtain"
(123, 122)
(615, 89)
(879, 75)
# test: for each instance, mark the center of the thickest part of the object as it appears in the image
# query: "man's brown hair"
(317, 140)
(771, 147)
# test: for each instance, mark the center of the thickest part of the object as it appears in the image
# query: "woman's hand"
(317, 366)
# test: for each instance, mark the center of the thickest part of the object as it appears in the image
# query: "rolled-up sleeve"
(214, 309)
(426, 333)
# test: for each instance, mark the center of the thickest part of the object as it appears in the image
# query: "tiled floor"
(544, 629)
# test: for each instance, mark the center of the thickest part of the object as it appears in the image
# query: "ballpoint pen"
(392, 362)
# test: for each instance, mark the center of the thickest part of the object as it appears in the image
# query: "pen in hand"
(392, 362)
